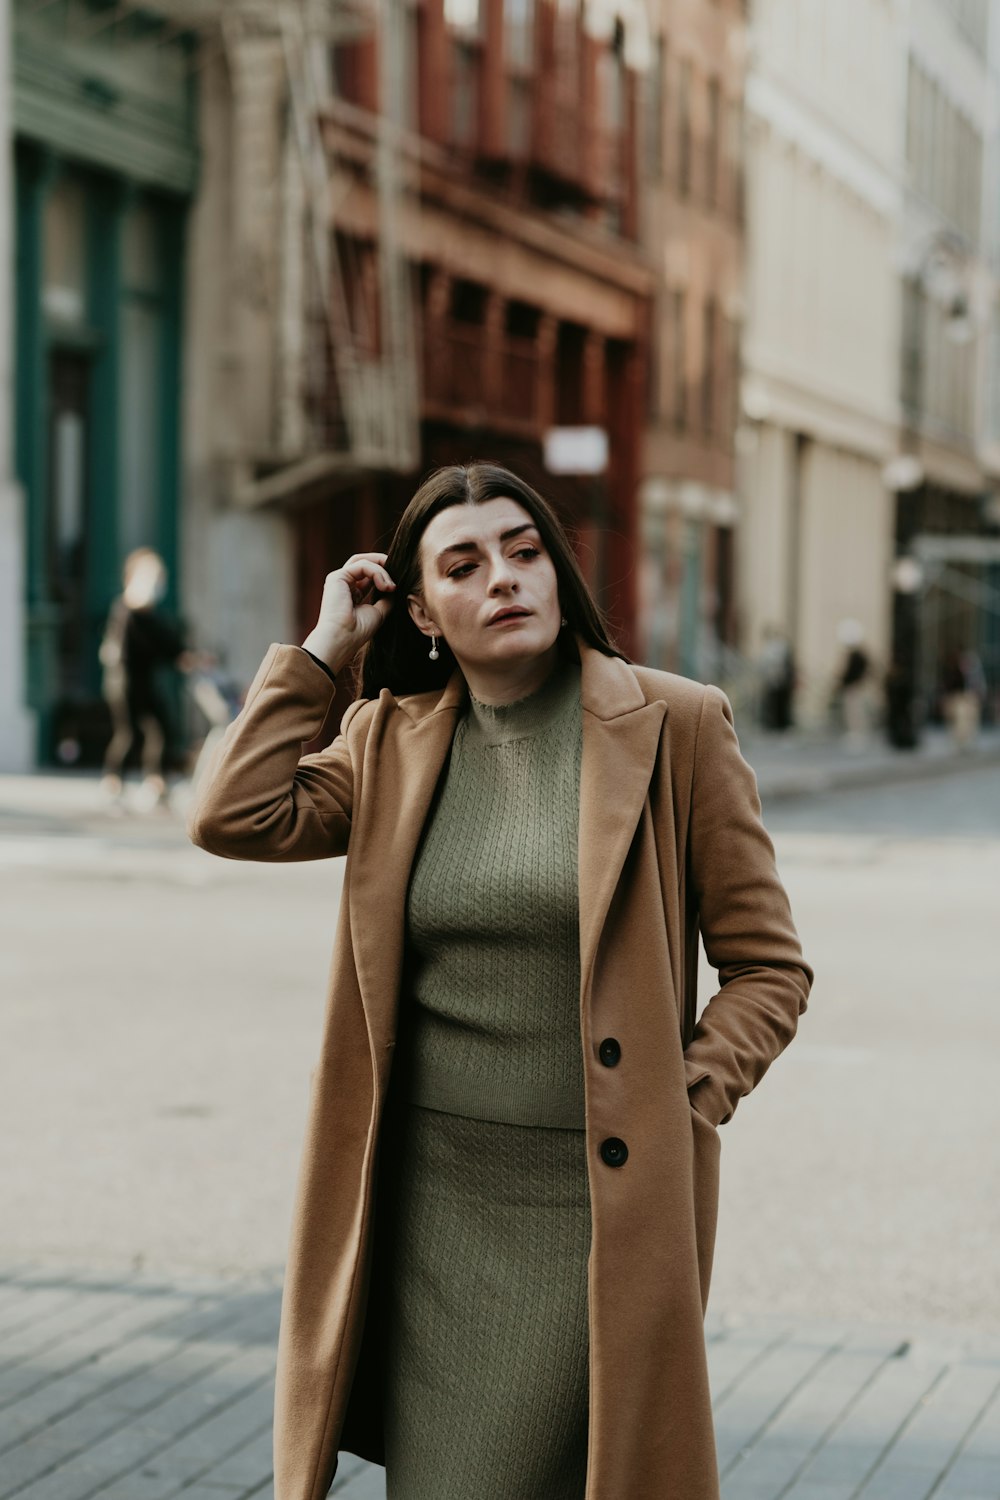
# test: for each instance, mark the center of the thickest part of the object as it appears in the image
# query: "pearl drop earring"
(434, 653)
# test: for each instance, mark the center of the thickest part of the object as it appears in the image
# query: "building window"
(519, 47)
(462, 14)
(519, 33)
(913, 347)
(731, 405)
(684, 129)
(612, 87)
(463, 17)
(714, 143)
(975, 186)
(911, 116)
(409, 113)
(725, 578)
(64, 293)
(654, 111)
(708, 369)
(921, 121)
(735, 156)
(655, 372)
(678, 349)
(939, 146)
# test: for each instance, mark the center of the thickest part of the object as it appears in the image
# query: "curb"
(804, 781)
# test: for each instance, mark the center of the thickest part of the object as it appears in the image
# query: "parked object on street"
(615, 1184)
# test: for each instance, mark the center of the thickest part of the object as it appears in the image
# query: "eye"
(522, 552)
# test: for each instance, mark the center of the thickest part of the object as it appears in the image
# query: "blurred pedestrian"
(963, 688)
(777, 669)
(513, 1039)
(139, 641)
(854, 684)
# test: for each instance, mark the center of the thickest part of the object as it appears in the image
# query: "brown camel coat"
(671, 842)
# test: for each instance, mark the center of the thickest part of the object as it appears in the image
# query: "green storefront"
(105, 158)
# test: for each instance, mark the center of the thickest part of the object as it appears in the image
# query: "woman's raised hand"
(350, 612)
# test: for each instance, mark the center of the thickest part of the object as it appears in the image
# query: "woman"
(138, 642)
(506, 1213)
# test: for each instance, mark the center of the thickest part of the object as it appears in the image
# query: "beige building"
(820, 404)
(16, 729)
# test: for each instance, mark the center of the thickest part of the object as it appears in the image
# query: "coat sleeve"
(260, 797)
(745, 921)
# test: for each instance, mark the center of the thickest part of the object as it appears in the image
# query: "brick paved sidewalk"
(140, 1388)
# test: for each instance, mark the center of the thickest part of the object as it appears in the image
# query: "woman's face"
(147, 583)
(477, 560)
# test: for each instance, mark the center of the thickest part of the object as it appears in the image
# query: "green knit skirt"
(485, 1232)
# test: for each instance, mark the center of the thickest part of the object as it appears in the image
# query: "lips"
(509, 614)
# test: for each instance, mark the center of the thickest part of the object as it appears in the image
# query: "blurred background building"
(869, 383)
(104, 121)
(692, 231)
(276, 261)
(825, 98)
(946, 520)
(718, 278)
(16, 725)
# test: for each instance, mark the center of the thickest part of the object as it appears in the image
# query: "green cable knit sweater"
(490, 1022)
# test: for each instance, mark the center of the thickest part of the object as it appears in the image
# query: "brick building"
(692, 230)
(409, 252)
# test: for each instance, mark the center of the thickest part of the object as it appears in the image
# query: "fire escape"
(349, 398)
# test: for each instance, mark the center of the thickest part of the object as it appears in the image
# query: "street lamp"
(942, 273)
(907, 575)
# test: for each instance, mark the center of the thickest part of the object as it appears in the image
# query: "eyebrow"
(474, 546)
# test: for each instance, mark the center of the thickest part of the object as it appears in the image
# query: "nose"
(502, 575)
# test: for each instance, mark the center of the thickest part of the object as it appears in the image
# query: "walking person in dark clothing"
(777, 665)
(138, 642)
(854, 684)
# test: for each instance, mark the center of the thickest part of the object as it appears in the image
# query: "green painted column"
(174, 224)
(34, 169)
(107, 201)
(173, 220)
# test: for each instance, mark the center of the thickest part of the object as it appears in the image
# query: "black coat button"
(609, 1052)
(614, 1152)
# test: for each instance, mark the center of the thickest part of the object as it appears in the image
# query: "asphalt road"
(862, 1176)
(162, 1011)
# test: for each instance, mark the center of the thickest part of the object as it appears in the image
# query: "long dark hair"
(396, 656)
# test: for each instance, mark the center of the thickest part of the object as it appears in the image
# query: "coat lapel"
(405, 752)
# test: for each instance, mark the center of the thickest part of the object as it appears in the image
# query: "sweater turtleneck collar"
(498, 723)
